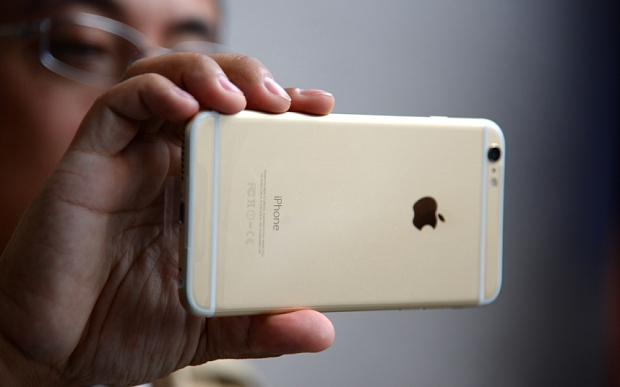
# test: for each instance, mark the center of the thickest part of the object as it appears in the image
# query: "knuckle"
(164, 64)
(134, 69)
(241, 66)
(148, 80)
(250, 63)
(149, 83)
(199, 62)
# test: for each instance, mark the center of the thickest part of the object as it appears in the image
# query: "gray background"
(547, 73)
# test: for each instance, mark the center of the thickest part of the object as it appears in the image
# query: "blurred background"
(548, 73)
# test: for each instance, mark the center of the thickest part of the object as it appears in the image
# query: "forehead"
(145, 15)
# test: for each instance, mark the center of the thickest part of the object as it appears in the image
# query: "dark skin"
(88, 279)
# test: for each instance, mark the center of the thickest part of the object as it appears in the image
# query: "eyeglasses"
(93, 49)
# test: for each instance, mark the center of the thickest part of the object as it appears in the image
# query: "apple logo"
(425, 213)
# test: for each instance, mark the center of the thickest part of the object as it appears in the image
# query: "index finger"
(199, 75)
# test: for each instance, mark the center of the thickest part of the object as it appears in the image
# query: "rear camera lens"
(494, 153)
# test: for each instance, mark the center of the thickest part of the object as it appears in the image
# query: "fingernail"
(229, 86)
(315, 93)
(276, 89)
(182, 93)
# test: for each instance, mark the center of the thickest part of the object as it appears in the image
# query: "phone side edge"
(186, 242)
(493, 249)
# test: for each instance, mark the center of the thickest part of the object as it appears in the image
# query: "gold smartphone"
(340, 212)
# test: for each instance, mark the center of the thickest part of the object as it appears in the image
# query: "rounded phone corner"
(195, 121)
(497, 135)
(190, 304)
(486, 299)
(187, 289)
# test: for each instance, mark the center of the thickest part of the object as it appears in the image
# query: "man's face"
(40, 110)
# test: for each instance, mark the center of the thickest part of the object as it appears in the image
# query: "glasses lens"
(91, 49)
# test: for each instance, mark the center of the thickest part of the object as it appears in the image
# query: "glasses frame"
(133, 36)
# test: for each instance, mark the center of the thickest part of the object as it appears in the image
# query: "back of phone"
(341, 212)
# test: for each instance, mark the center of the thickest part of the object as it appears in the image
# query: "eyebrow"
(195, 26)
(108, 6)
